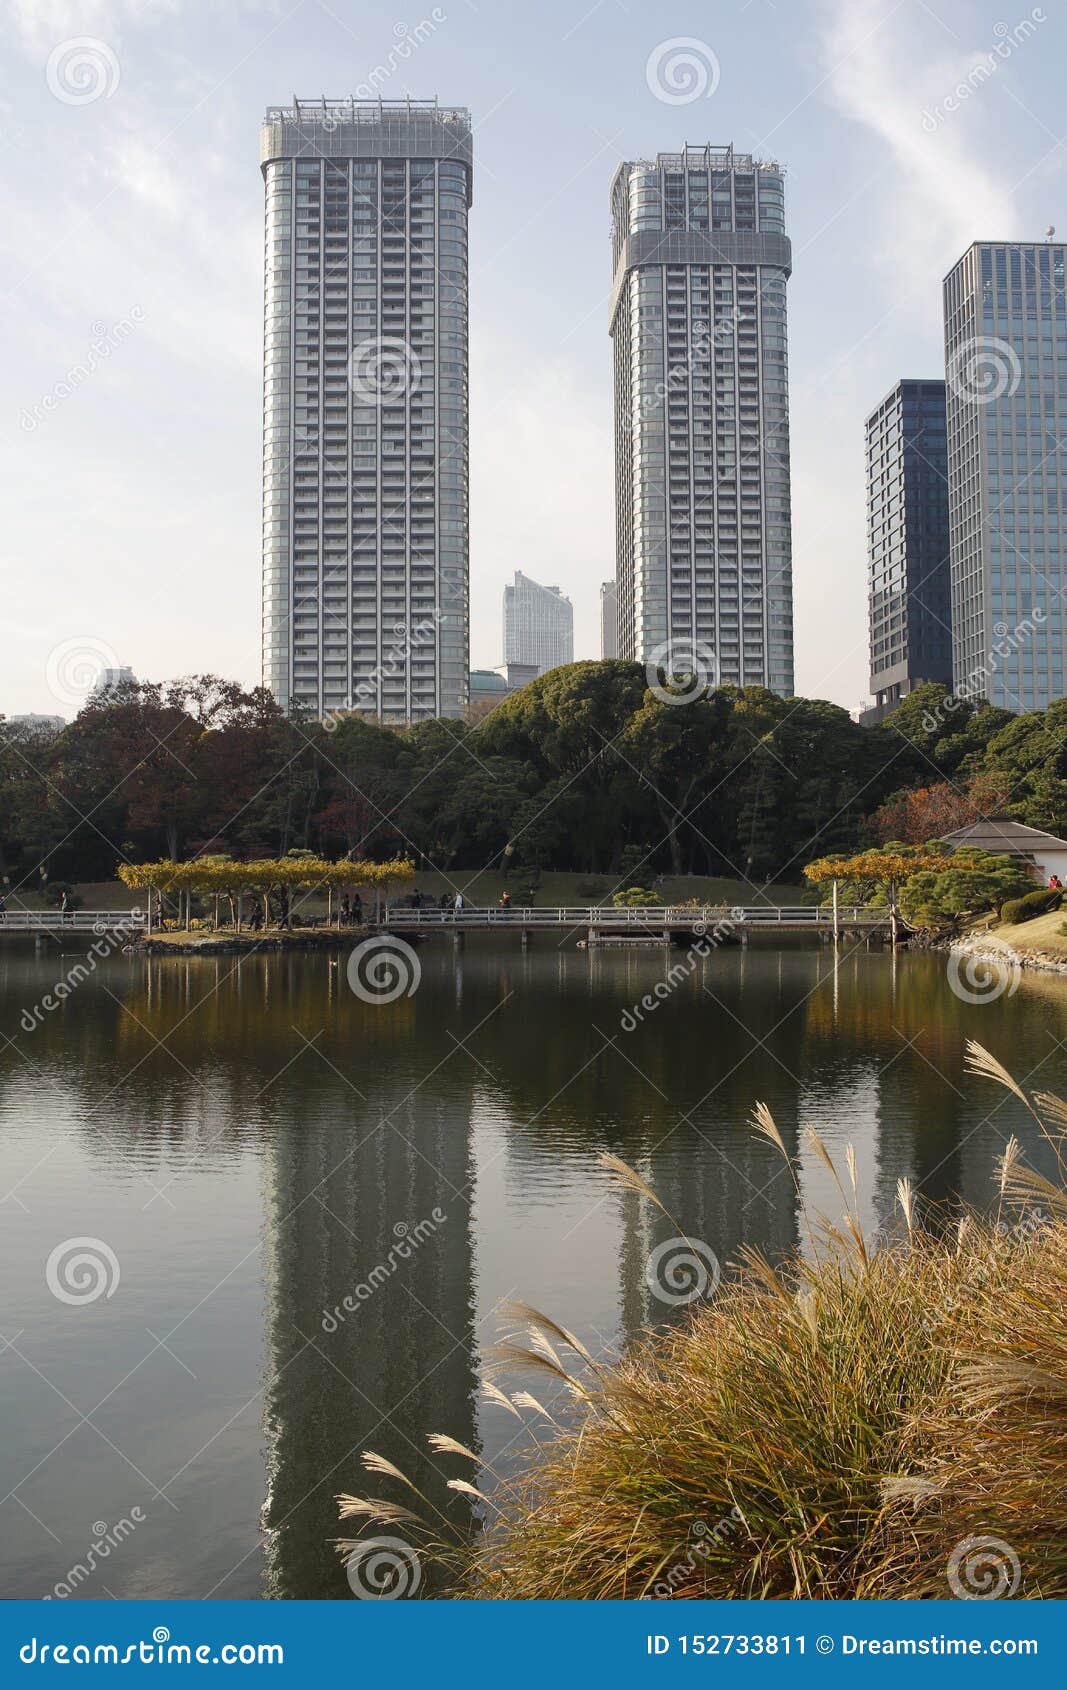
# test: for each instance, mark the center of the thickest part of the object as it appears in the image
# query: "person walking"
(458, 905)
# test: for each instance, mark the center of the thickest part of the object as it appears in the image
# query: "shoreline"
(986, 950)
(231, 944)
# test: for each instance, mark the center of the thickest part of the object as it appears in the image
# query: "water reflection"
(253, 1141)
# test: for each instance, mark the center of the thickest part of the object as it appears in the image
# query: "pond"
(254, 1223)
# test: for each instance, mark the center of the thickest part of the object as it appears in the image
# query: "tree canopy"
(584, 765)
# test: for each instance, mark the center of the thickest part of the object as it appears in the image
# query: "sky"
(131, 279)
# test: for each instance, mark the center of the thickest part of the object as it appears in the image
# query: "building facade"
(538, 625)
(698, 321)
(1006, 378)
(109, 680)
(365, 414)
(909, 589)
(609, 619)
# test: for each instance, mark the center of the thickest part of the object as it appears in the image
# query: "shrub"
(634, 897)
(1034, 903)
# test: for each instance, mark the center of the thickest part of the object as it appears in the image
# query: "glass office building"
(538, 625)
(909, 591)
(698, 321)
(1006, 375)
(365, 414)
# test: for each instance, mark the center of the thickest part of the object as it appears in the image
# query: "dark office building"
(907, 543)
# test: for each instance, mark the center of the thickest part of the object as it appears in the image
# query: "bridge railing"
(71, 921)
(652, 916)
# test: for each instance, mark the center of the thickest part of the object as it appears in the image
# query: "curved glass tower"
(365, 416)
(698, 320)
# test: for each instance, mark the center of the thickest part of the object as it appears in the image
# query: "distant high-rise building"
(1006, 378)
(907, 543)
(491, 686)
(38, 723)
(538, 625)
(109, 679)
(609, 619)
(365, 417)
(487, 687)
(698, 319)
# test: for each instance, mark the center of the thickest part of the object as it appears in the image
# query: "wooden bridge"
(604, 924)
(92, 922)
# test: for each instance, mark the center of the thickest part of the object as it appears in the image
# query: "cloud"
(888, 70)
(141, 171)
(40, 24)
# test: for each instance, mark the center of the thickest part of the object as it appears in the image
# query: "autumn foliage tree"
(931, 812)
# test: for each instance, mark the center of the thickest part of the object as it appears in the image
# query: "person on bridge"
(458, 905)
(505, 900)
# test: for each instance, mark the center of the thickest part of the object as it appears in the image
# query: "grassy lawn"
(1041, 934)
(484, 887)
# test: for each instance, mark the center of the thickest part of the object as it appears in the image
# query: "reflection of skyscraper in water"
(378, 1215)
(840, 1119)
(723, 1193)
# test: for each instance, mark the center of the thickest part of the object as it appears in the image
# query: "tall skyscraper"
(538, 625)
(698, 319)
(1006, 373)
(365, 416)
(609, 619)
(907, 543)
